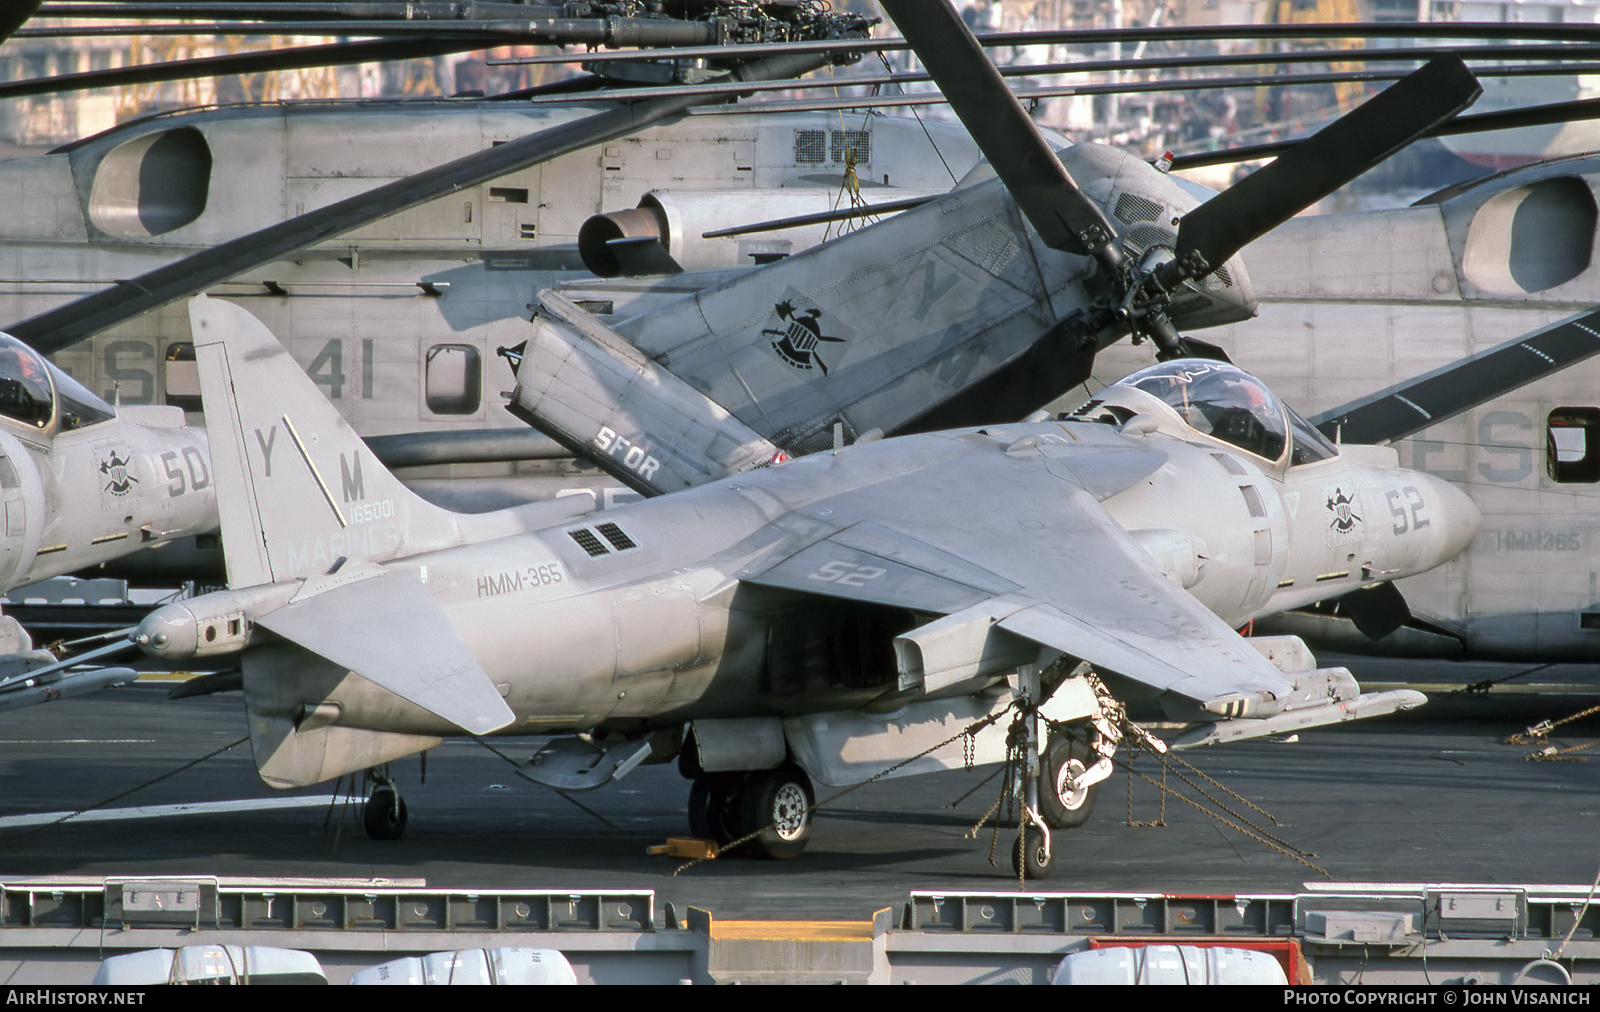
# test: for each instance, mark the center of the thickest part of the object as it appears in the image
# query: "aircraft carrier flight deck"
(1429, 796)
(1433, 795)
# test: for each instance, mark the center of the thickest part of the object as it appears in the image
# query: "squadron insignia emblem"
(797, 342)
(1344, 516)
(118, 480)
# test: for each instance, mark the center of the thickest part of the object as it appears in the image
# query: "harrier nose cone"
(1458, 519)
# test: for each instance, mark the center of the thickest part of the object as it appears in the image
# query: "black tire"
(384, 815)
(777, 803)
(712, 814)
(688, 759)
(1029, 860)
(1061, 808)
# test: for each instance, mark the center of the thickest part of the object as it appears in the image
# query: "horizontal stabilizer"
(387, 629)
(605, 400)
(1408, 408)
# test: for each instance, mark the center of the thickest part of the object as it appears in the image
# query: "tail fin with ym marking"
(297, 489)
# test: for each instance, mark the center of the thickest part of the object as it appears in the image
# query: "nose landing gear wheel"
(1031, 861)
(1060, 804)
(384, 814)
(778, 803)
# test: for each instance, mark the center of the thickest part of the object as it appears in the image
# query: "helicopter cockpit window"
(79, 407)
(25, 393)
(1221, 401)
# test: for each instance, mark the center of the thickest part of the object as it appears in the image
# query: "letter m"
(354, 489)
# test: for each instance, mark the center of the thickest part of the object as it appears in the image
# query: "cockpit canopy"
(31, 389)
(1225, 402)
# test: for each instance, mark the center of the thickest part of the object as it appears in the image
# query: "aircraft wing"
(1069, 578)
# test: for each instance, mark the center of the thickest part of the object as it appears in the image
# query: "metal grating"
(1144, 237)
(856, 144)
(618, 538)
(813, 443)
(810, 147)
(588, 542)
(1163, 917)
(1131, 208)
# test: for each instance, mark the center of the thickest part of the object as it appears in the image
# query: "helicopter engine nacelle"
(676, 219)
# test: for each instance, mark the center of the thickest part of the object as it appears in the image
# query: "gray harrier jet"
(818, 620)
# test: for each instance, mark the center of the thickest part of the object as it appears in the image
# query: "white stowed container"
(1169, 964)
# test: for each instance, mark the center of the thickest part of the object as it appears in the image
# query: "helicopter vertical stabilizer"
(601, 397)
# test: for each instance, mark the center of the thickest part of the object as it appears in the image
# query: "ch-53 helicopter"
(815, 620)
(145, 191)
(996, 299)
(111, 206)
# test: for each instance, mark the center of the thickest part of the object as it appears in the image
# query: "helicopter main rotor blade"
(67, 324)
(15, 15)
(292, 58)
(1320, 164)
(1414, 404)
(300, 10)
(1064, 217)
(1483, 122)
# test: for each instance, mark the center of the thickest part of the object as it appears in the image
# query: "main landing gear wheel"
(1061, 804)
(1031, 860)
(384, 814)
(712, 806)
(777, 803)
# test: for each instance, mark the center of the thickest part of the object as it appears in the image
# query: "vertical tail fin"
(601, 397)
(297, 489)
